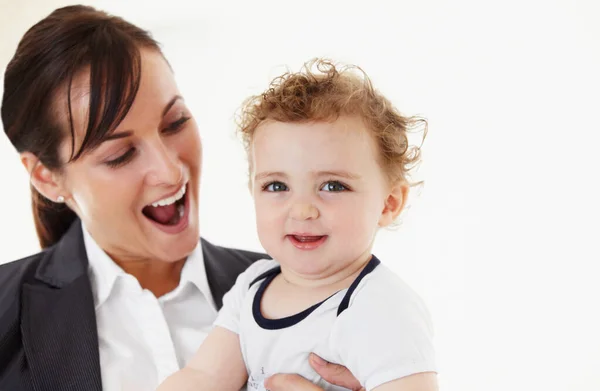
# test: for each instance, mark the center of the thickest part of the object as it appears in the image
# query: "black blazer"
(48, 334)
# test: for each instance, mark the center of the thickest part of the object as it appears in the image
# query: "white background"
(501, 242)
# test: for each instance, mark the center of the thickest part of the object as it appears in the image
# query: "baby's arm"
(217, 365)
(385, 336)
(426, 381)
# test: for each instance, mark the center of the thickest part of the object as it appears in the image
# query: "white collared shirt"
(143, 339)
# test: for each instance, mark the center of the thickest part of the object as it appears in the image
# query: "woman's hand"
(333, 373)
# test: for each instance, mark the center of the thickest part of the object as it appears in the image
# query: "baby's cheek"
(269, 227)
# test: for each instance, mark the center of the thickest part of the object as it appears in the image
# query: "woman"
(123, 292)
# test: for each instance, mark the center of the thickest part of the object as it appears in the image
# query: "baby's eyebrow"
(266, 174)
(343, 174)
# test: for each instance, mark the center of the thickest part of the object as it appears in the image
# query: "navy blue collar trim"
(281, 323)
(275, 271)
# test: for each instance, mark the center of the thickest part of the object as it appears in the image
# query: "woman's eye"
(334, 186)
(121, 160)
(275, 187)
(174, 127)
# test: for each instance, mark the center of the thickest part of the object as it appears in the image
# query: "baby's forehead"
(342, 132)
(308, 149)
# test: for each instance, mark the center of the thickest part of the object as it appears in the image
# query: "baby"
(329, 162)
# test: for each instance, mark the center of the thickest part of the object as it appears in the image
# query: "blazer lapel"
(215, 263)
(58, 326)
(223, 265)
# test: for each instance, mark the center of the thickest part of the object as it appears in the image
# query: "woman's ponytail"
(51, 219)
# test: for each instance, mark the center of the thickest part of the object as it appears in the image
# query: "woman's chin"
(174, 252)
(173, 247)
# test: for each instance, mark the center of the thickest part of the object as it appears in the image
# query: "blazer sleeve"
(12, 277)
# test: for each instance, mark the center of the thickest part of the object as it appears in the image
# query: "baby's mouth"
(169, 210)
(307, 238)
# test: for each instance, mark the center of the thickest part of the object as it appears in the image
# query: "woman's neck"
(158, 277)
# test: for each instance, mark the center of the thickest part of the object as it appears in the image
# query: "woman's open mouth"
(170, 214)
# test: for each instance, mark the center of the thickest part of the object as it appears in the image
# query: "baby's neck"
(338, 279)
(290, 293)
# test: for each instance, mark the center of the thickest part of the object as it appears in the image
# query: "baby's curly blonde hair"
(323, 92)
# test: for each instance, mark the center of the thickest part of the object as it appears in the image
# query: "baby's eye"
(334, 186)
(275, 187)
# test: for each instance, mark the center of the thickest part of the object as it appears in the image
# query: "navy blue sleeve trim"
(373, 263)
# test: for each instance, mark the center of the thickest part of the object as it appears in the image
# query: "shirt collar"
(104, 272)
(193, 272)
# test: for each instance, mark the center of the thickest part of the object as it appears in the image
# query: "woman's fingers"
(289, 382)
(334, 373)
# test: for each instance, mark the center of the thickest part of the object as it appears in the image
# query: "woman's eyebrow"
(127, 133)
(170, 104)
(115, 136)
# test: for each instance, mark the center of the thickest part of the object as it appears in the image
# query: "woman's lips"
(180, 223)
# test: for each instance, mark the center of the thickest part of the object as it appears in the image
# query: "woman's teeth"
(170, 200)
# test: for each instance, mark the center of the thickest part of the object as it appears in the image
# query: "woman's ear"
(394, 203)
(44, 180)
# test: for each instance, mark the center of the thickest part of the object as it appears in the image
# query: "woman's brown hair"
(48, 57)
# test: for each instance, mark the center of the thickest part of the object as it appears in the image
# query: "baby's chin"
(321, 265)
(312, 269)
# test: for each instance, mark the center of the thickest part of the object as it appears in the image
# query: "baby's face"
(320, 193)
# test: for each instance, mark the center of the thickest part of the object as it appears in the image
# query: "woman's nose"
(304, 211)
(164, 167)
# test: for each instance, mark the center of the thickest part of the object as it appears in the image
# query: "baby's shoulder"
(384, 289)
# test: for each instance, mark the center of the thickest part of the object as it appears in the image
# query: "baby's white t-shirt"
(378, 328)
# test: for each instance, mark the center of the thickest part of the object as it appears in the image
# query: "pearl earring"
(60, 199)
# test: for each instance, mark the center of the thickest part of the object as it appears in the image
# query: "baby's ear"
(394, 203)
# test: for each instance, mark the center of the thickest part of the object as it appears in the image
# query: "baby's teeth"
(181, 210)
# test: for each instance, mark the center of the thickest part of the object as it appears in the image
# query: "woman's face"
(137, 193)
